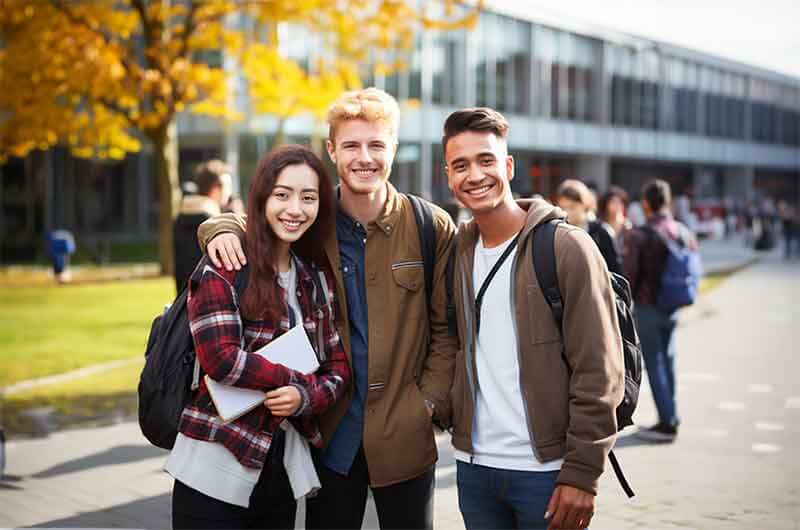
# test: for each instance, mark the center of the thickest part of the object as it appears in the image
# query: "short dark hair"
(209, 174)
(475, 119)
(657, 193)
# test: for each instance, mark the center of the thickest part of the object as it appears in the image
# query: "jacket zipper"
(522, 389)
(469, 355)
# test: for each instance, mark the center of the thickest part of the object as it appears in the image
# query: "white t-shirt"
(209, 467)
(500, 435)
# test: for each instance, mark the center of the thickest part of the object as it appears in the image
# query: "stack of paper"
(292, 349)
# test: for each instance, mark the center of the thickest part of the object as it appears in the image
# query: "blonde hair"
(369, 104)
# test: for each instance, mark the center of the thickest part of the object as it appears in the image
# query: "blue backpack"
(680, 280)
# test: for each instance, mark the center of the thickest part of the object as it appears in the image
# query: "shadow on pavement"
(121, 454)
(152, 512)
(631, 440)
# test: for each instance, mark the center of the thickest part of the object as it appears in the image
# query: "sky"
(763, 33)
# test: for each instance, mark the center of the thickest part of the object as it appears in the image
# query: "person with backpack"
(574, 197)
(232, 475)
(534, 400)
(662, 265)
(393, 321)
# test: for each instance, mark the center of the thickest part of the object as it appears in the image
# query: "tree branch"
(147, 31)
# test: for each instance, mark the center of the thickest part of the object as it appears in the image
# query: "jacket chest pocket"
(406, 297)
(409, 274)
(542, 328)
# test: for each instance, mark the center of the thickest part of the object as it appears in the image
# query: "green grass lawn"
(52, 329)
(75, 402)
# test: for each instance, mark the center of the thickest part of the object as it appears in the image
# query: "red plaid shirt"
(224, 345)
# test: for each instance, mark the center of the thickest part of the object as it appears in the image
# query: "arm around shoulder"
(219, 224)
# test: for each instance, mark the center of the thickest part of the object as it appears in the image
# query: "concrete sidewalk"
(727, 254)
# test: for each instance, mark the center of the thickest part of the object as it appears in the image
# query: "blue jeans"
(492, 498)
(657, 335)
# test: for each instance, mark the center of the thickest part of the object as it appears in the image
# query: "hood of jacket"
(538, 211)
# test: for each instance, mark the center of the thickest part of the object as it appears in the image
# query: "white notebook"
(292, 349)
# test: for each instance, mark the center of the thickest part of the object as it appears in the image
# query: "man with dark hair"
(533, 414)
(645, 257)
(213, 182)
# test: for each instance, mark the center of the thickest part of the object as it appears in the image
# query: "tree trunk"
(165, 161)
(318, 140)
(280, 133)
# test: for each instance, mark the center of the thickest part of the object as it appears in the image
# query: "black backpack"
(169, 375)
(544, 263)
(427, 237)
(423, 214)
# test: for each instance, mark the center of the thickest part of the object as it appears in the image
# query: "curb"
(731, 268)
(66, 376)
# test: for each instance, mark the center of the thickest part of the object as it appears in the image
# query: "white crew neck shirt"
(500, 435)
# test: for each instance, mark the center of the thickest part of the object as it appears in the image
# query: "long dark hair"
(262, 299)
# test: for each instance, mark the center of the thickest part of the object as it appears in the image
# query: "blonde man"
(381, 434)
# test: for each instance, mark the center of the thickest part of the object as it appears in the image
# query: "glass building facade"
(602, 107)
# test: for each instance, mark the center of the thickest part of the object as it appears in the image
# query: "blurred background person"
(789, 226)
(213, 182)
(578, 201)
(611, 209)
(645, 259)
(59, 245)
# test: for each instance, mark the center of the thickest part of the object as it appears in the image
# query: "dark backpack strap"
(427, 240)
(620, 475)
(320, 291)
(544, 265)
(240, 281)
(488, 280)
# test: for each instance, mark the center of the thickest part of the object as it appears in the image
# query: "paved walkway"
(721, 255)
(736, 463)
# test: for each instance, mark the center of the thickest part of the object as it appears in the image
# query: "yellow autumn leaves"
(97, 75)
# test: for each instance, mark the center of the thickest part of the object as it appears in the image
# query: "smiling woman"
(292, 207)
(217, 466)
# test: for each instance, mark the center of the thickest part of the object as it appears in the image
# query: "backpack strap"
(322, 298)
(544, 265)
(239, 285)
(240, 281)
(612, 457)
(673, 245)
(427, 240)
